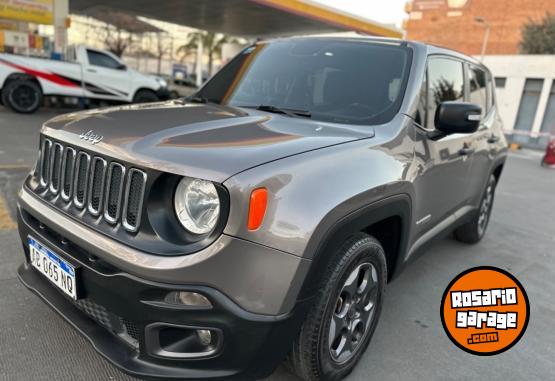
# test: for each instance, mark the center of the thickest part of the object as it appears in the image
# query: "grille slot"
(132, 208)
(45, 162)
(68, 166)
(107, 189)
(55, 167)
(114, 192)
(96, 185)
(81, 179)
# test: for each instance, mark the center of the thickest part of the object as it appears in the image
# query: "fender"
(326, 241)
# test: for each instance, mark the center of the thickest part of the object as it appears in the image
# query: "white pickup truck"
(87, 73)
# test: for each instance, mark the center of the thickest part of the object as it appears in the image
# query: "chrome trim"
(92, 169)
(109, 185)
(43, 180)
(125, 223)
(77, 203)
(67, 197)
(57, 146)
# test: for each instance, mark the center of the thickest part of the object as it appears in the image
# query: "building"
(452, 23)
(525, 89)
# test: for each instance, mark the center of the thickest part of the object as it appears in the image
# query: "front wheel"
(474, 230)
(22, 95)
(342, 321)
(145, 96)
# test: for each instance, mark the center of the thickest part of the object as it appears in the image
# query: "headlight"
(197, 205)
(162, 82)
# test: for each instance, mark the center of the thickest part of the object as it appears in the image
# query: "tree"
(162, 48)
(212, 45)
(539, 37)
(117, 40)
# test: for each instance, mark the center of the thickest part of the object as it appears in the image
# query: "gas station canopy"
(247, 18)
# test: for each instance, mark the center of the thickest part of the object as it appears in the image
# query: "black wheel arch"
(326, 240)
(24, 76)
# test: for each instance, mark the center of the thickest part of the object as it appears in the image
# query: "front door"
(106, 77)
(444, 163)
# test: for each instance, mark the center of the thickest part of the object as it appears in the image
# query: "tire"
(23, 96)
(314, 355)
(474, 231)
(145, 96)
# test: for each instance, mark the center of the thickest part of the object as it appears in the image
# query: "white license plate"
(58, 271)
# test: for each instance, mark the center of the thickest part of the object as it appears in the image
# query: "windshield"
(354, 82)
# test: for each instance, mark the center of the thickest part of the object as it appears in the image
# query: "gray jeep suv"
(260, 219)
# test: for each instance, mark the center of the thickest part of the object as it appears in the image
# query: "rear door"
(105, 77)
(442, 185)
(485, 139)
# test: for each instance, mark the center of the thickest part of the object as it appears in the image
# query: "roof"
(249, 18)
(121, 20)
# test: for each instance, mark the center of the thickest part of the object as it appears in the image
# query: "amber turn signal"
(257, 208)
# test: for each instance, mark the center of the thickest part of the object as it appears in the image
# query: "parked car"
(88, 73)
(262, 218)
(179, 88)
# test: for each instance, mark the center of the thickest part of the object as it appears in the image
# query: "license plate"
(58, 271)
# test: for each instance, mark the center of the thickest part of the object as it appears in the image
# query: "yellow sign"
(36, 11)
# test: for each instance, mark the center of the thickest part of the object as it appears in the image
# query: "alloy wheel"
(353, 312)
(485, 209)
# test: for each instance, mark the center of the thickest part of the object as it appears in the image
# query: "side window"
(445, 83)
(421, 112)
(101, 59)
(478, 92)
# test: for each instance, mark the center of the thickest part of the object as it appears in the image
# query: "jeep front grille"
(105, 188)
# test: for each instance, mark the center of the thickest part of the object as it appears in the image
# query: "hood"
(211, 142)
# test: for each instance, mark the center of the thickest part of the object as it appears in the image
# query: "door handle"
(91, 70)
(493, 139)
(466, 151)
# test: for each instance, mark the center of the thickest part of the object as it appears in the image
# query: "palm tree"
(212, 43)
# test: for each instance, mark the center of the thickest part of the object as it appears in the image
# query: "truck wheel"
(342, 321)
(473, 231)
(22, 96)
(145, 96)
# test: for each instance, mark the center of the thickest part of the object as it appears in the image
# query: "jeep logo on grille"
(91, 137)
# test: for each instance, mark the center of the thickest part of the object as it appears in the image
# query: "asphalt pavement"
(409, 343)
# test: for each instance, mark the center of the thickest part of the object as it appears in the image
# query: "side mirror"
(458, 117)
(122, 67)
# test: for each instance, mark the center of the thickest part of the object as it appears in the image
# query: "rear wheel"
(342, 321)
(145, 96)
(22, 96)
(473, 231)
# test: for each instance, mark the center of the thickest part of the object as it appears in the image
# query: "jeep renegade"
(260, 219)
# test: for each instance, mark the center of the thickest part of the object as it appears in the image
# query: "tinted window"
(478, 92)
(446, 83)
(337, 81)
(101, 59)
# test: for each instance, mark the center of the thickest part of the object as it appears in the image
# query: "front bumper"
(119, 312)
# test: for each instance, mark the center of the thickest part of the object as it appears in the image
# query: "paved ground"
(35, 344)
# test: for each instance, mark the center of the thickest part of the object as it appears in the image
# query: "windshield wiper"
(286, 111)
(198, 99)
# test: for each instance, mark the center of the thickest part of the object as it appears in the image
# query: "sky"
(384, 11)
